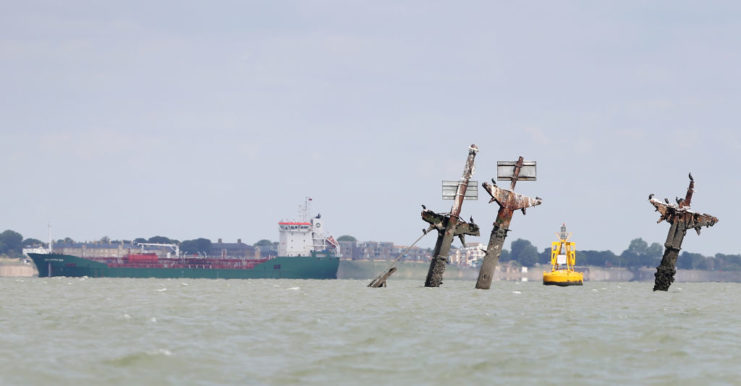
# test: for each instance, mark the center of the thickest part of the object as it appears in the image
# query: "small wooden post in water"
(508, 202)
(681, 219)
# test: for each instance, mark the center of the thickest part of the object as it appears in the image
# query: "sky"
(217, 119)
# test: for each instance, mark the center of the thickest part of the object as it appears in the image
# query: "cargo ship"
(304, 252)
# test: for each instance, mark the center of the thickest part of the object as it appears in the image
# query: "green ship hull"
(300, 267)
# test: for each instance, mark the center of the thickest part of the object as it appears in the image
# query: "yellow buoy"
(563, 260)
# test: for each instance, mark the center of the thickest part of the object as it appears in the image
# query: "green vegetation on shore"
(638, 254)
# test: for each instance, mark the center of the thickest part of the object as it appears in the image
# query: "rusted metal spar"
(449, 225)
(380, 280)
(508, 202)
(681, 219)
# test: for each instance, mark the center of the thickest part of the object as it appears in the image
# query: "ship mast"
(51, 242)
(304, 211)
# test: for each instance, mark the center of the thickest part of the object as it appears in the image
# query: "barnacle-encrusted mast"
(508, 201)
(681, 218)
(450, 225)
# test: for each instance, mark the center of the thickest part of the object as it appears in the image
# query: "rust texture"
(508, 201)
(681, 218)
(449, 225)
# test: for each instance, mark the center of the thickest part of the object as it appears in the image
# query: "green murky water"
(155, 331)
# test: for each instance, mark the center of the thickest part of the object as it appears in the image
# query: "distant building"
(414, 253)
(470, 256)
(374, 250)
(368, 250)
(238, 250)
(405, 253)
(386, 250)
(349, 247)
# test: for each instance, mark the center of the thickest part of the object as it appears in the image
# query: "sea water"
(74, 331)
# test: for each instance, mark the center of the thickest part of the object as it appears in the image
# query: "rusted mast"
(508, 202)
(380, 280)
(681, 218)
(449, 225)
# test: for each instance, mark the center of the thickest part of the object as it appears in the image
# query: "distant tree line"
(638, 254)
(12, 244)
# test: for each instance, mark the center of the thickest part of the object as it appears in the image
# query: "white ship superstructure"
(304, 237)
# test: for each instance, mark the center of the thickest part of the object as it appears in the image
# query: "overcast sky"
(216, 119)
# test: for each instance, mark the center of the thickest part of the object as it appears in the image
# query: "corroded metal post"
(508, 202)
(380, 280)
(681, 219)
(449, 225)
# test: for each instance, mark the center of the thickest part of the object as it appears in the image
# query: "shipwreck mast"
(450, 225)
(681, 219)
(508, 201)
